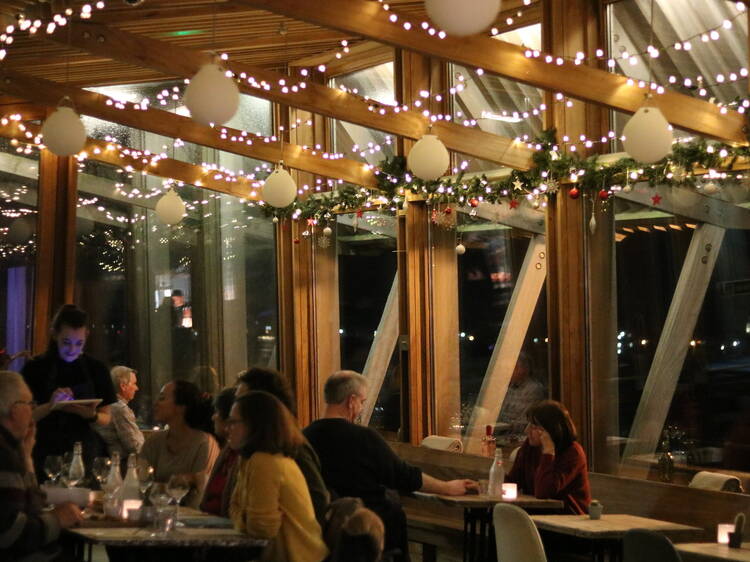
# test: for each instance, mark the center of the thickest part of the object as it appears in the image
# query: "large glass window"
(502, 322)
(195, 300)
(368, 301)
(355, 141)
(19, 173)
(683, 331)
(710, 63)
(498, 105)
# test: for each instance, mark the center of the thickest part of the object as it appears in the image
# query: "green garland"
(551, 167)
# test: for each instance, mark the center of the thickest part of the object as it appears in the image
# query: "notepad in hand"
(207, 522)
(86, 402)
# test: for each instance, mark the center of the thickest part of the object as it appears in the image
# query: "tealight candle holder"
(128, 506)
(510, 491)
(722, 532)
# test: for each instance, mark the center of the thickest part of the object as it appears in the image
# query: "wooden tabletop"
(480, 500)
(611, 526)
(712, 552)
(184, 537)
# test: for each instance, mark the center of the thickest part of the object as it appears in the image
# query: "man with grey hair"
(27, 533)
(356, 461)
(122, 434)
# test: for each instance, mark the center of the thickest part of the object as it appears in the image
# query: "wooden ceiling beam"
(108, 153)
(180, 61)
(177, 126)
(368, 19)
(360, 56)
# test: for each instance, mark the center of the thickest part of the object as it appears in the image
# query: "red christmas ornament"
(296, 240)
(473, 202)
(513, 204)
(448, 211)
(603, 194)
(574, 193)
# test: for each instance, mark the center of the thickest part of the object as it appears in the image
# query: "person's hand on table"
(68, 515)
(461, 487)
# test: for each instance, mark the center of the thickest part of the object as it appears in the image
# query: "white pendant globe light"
(63, 132)
(462, 18)
(212, 97)
(279, 190)
(648, 138)
(171, 208)
(428, 159)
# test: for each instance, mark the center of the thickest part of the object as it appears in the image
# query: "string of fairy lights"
(532, 193)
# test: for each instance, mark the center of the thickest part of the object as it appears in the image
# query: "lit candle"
(510, 491)
(722, 532)
(127, 505)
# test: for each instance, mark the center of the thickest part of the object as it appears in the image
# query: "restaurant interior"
(475, 211)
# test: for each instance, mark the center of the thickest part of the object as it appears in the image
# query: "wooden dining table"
(713, 552)
(604, 536)
(186, 542)
(479, 531)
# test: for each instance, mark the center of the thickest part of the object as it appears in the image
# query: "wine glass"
(100, 469)
(178, 487)
(145, 477)
(53, 466)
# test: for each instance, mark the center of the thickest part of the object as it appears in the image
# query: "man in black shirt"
(356, 461)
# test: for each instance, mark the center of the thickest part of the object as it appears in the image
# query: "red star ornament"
(513, 204)
(656, 199)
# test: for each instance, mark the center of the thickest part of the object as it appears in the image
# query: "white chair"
(706, 480)
(516, 536)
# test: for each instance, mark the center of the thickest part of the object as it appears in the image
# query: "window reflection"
(18, 222)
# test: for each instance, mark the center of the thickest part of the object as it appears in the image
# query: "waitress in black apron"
(65, 373)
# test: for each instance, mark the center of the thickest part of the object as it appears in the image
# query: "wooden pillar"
(415, 73)
(324, 341)
(56, 233)
(571, 26)
(417, 321)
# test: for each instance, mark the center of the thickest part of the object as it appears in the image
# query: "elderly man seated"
(356, 461)
(26, 532)
(122, 434)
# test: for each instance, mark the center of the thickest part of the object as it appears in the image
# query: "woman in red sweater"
(550, 462)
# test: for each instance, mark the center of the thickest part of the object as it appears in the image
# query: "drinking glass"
(178, 487)
(53, 467)
(145, 477)
(100, 469)
(160, 499)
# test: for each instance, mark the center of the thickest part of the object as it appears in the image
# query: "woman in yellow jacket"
(271, 500)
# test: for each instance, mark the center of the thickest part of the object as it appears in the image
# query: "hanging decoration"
(170, 208)
(212, 97)
(553, 173)
(648, 137)
(428, 159)
(462, 18)
(460, 249)
(63, 131)
(279, 189)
